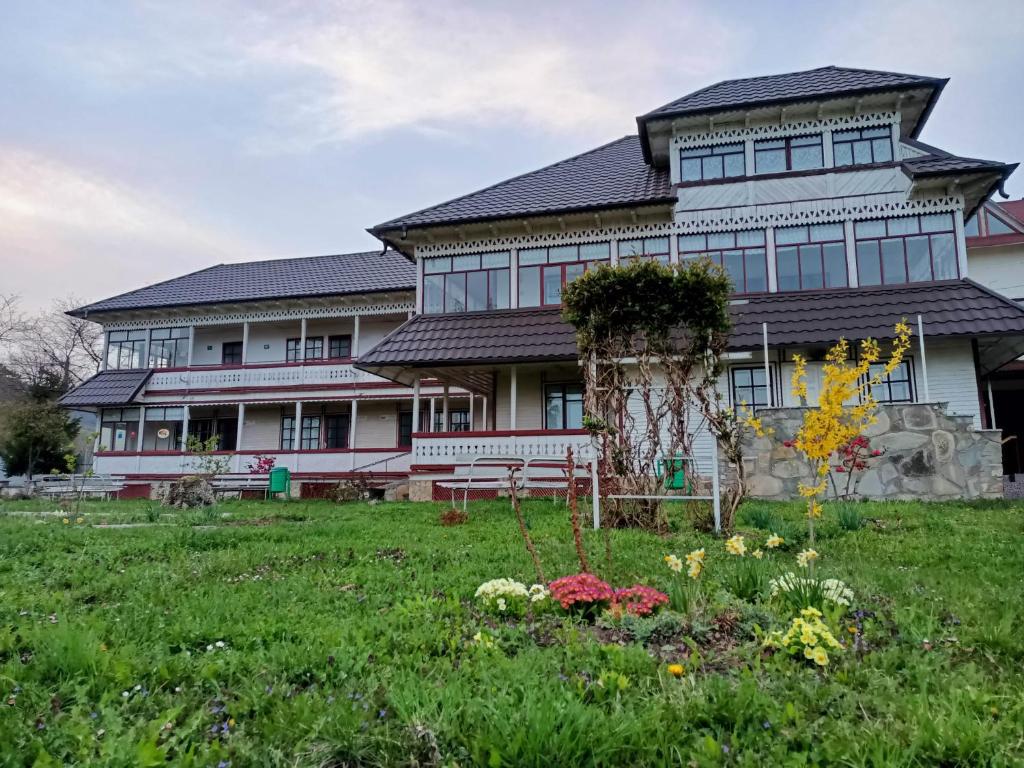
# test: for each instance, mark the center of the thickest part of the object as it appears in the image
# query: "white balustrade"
(313, 462)
(255, 376)
(453, 448)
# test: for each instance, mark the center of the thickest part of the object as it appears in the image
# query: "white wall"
(262, 428)
(213, 337)
(951, 376)
(1000, 268)
(377, 424)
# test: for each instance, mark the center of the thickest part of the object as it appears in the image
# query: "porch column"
(245, 342)
(472, 399)
(145, 353)
(238, 437)
(138, 438)
(106, 344)
(355, 337)
(191, 345)
(353, 419)
(444, 410)
(416, 405)
(485, 413)
(433, 414)
(512, 387)
(184, 428)
(850, 237)
(302, 339)
(297, 436)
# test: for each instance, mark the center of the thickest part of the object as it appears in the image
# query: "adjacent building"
(811, 189)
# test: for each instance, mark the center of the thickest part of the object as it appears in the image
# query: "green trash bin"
(672, 473)
(280, 482)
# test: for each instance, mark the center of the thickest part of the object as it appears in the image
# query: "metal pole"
(416, 405)
(924, 360)
(238, 437)
(595, 493)
(716, 496)
(513, 393)
(767, 368)
(991, 406)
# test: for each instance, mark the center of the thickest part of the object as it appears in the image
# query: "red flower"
(640, 600)
(876, 452)
(583, 590)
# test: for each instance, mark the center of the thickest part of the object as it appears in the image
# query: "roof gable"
(341, 274)
(612, 175)
(108, 388)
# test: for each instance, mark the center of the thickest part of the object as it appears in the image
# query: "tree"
(55, 352)
(35, 436)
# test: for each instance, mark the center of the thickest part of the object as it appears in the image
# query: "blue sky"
(142, 140)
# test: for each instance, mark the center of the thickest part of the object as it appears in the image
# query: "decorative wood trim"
(735, 135)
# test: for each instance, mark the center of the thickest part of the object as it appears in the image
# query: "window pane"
(874, 133)
(996, 227)
(843, 154)
(918, 259)
(835, 265)
(861, 152)
(804, 158)
(573, 413)
(742, 376)
(788, 274)
(463, 263)
(894, 269)
(870, 229)
(939, 222)
(533, 256)
(563, 253)
(882, 150)
(572, 271)
(770, 161)
(435, 266)
(433, 293)
(712, 167)
(498, 291)
(553, 409)
(722, 240)
(695, 152)
(691, 169)
(595, 251)
(750, 237)
(476, 291)
(810, 267)
(905, 226)
(790, 235)
(692, 242)
(552, 285)
(868, 267)
(735, 165)
(822, 232)
(455, 293)
(733, 263)
(529, 286)
(630, 248)
(944, 257)
(757, 271)
(971, 227)
(490, 260)
(899, 391)
(656, 245)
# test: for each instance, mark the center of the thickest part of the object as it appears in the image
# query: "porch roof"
(108, 388)
(949, 308)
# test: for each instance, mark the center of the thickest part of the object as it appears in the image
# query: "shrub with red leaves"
(583, 592)
(640, 600)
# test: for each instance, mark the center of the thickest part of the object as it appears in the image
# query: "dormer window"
(862, 147)
(703, 163)
(795, 153)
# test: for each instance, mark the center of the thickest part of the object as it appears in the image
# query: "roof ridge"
(85, 307)
(303, 258)
(509, 180)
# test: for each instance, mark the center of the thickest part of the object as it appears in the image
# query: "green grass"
(348, 629)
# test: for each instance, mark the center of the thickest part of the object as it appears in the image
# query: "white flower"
(501, 604)
(538, 592)
(832, 590)
(219, 643)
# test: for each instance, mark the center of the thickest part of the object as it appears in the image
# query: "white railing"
(328, 462)
(255, 375)
(446, 448)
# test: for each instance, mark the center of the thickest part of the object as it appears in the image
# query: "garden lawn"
(316, 634)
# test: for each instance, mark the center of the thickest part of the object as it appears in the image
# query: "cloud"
(71, 227)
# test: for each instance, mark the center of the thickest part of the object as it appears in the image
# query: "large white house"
(811, 189)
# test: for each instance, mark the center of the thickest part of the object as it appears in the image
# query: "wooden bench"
(239, 483)
(526, 472)
(92, 486)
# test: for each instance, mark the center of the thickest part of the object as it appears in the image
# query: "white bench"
(524, 472)
(239, 483)
(93, 486)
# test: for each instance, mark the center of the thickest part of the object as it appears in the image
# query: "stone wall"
(929, 454)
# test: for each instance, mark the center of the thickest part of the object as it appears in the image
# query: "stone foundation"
(929, 454)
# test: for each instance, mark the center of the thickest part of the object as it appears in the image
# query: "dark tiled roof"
(939, 162)
(789, 87)
(107, 388)
(347, 273)
(950, 308)
(612, 175)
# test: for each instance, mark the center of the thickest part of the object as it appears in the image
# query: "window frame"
(287, 428)
(662, 257)
(717, 255)
(810, 242)
(232, 346)
(838, 140)
(459, 268)
(787, 148)
(291, 349)
(903, 238)
(563, 387)
(129, 346)
(561, 264)
(312, 344)
(735, 149)
(339, 338)
(887, 382)
(335, 426)
(769, 389)
(177, 339)
(310, 432)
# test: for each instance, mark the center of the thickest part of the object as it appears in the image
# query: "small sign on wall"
(163, 433)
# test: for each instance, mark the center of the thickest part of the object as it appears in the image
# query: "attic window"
(702, 163)
(862, 147)
(796, 153)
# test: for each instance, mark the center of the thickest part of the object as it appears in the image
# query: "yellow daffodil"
(736, 546)
(695, 563)
(774, 541)
(805, 558)
(674, 563)
(758, 554)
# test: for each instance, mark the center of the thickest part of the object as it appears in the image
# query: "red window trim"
(717, 253)
(799, 265)
(851, 142)
(444, 289)
(788, 147)
(711, 147)
(906, 265)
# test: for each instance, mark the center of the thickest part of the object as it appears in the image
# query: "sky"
(142, 140)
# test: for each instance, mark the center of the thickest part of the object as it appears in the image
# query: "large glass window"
(897, 387)
(750, 387)
(309, 440)
(741, 254)
(231, 353)
(125, 349)
(563, 406)
(314, 347)
(796, 153)
(168, 348)
(404, 428)
(906, 250)
(119, 429)
(291, 350)
(810, 257)
(339, 347)
(656, 248)
(337, 430)
(163, 428)
(723, 161)
(544, 271)
(466, 283)
(287, 433)
(997, 226)
(862, 146)
(971, 227)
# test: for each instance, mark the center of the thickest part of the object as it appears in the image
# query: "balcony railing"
(330, 462)
(259, 375)
(451, 448)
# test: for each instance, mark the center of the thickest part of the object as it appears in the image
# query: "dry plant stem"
(522, 529)
(574, 511)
